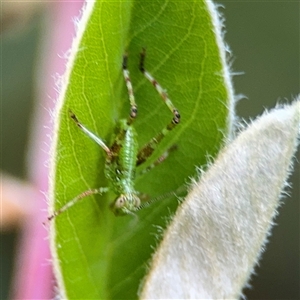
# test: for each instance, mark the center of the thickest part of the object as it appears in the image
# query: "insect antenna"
(180, 190)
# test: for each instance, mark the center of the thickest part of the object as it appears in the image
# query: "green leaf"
(97, 255)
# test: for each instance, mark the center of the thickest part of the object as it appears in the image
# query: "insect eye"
(120, 201)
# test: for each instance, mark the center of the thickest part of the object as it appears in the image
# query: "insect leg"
(133, 105)
(160, 90)
(148, 149)
(161, 159)
(90, 134)
(76, 199)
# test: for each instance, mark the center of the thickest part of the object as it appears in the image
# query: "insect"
(124, 156)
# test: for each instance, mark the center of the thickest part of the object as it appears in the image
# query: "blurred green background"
(265, 41)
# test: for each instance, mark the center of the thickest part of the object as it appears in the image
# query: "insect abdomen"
(128, 152)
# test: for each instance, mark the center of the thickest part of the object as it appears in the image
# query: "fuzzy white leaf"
(216, 237)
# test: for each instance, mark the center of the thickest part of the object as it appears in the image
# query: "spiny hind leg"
(158, 87)
(133, 105)
(147, 150)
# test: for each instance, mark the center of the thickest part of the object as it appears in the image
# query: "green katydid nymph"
(124, 155)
